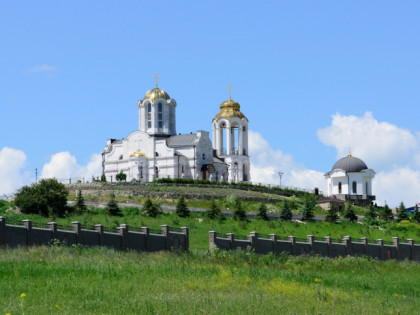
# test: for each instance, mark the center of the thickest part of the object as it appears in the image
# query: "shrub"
(262, 212)
(182, 208)
(112, 207)
(402, 213)
(121, 177)
(372, 213)
(150, 209)
(308, 209)
(80, 206)
(214, 212)
(385, 213)
(332, 215)
(239, 213)
(286, 212)
(349, 213)
(103, 178)
(45, 198)
(416, 214)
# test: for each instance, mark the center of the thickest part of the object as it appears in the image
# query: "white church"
(156, 151)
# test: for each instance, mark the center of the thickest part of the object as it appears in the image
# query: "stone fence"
(325, 247)
(143, 239)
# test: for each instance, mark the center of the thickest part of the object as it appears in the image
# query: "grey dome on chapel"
(350, 164)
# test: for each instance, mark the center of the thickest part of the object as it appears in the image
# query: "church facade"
(156, 151)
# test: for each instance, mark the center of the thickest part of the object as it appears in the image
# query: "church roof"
(229, 109)
(350, 164)
(155, 94)
(182, 140)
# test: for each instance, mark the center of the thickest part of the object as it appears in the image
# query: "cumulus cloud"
(43, 68)
(266, 163)
(12, 177)
(63, 166)
(378, 143)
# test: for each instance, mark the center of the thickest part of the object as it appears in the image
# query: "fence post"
(381, 245)
(100, 229)
(396, 242)
(212, 238)
(411, 243)
(231, 238)
(2, 231)
(76, 229)
(165, 232)
(28, 225)
(123, 230)
(53, 228)
(253, 238)
(311, 240)
(146, 231)
(292, 240)
(273, 237)
(347, 242)
(186, 232)
(328, 241)
(365, 243)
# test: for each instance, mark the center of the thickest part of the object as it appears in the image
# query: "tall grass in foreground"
(97, 280)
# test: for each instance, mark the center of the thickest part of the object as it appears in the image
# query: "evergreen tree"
(121, 177)
(349, 213)
(332, 215)
(416, 214)
(103, 178)
(308, 210)
(239, 213)
(372, 213)
(112, 207)
(80, 206)
(150, 209)
(182, 208)
(286, 212)
(214, 212)
(386, 213)
(262, 212)
(401, 213)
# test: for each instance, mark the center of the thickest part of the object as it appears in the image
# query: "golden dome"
(138, 154)
(229, 109)
(155, 94)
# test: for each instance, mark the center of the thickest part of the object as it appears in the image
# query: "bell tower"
(230, 139)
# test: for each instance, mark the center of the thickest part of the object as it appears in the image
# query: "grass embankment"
(101, 281)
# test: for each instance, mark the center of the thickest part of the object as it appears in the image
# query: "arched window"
(141, 172)
(339, 188)
(354, 187)
(156, 154)
(121, 157)
(367, 188)
(203, 156)
(160, 115)
(149, 115)
(156, 172)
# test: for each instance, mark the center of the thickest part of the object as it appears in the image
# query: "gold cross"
(230, 87)
(156, 76)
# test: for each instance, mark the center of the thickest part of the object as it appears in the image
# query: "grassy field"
(58, 280)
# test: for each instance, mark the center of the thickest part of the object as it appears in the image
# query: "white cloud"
(380, 144)
(43, 68)
(12, 162)
(266, 163)
(63, 166)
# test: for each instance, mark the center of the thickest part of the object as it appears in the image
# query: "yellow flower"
(23, 295)
(396, 295)
(58, 306)
(318, 280)
(7, 313)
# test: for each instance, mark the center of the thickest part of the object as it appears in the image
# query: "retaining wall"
(123, 239)
(323, 247)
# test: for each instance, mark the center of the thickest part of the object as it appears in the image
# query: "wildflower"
(58, 306)
(396, 295)
(23, 295)
(318, 280)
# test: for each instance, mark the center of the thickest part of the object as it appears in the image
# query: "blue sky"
(313, 78)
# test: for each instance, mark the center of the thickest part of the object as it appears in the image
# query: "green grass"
(58, 280)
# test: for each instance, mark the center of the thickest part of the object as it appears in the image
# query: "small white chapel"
(156, 151)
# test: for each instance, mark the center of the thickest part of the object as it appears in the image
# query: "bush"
(121, 177)
(385, 213)
(182, 208)
(372, 213)
(286, 212)
(45, 198)
(80, 206)
(150, 209)
(416, 214)
(262, 212)
(112, 207)
(214, 212)
(103, 178)
(349, 213)
(402, 213)
(239, 213)
(332, 215)
(308, 209)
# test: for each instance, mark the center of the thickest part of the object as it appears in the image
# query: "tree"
(332, 215)
(103, 178)
(349, 213)
(150, 209)
(308, 209)
(286, 213)
(385, 213)
(112, 207)
(239, 213)
(372, 213)
(416, 214)
(214, 212)
(182, 208)
(262, 212)
(402, 213)
(121, 177)
(80, 203)
(48, 196)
